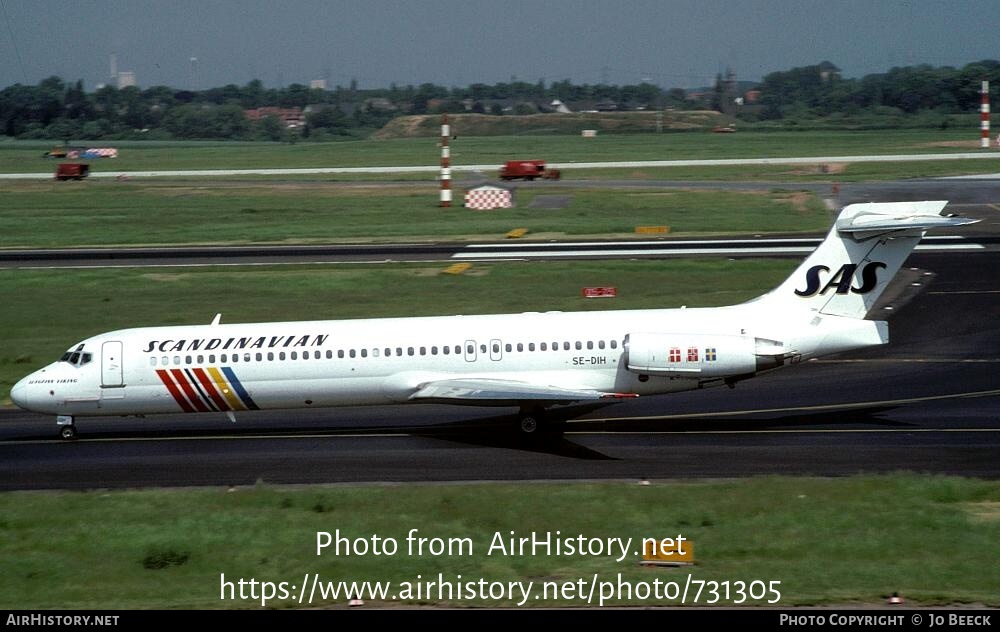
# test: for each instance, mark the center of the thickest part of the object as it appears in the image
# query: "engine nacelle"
(700, 356)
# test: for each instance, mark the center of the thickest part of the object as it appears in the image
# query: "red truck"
(72, 171)
(527, 170)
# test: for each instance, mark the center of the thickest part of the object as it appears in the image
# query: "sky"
(672, 43)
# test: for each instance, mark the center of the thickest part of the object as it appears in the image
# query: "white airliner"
(531, 360)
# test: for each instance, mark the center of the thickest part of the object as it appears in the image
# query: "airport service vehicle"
(527, 170)
(530, 360)
(72, 171)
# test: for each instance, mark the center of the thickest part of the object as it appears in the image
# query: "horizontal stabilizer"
(482, 390)
(877, 218)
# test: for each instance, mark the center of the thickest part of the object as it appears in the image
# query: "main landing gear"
(66, 428)
(532, 421)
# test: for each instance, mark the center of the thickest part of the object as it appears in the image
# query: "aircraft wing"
(483, 391)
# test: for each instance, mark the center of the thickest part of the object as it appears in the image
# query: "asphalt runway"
(927, 402)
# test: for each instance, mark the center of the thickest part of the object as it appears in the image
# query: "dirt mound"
(429, 125)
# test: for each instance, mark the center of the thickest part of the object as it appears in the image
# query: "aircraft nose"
(19, 394)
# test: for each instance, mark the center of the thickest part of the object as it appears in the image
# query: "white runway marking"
(493, 167)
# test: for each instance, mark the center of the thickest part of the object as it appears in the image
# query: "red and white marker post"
(445, 164)
(984, 116)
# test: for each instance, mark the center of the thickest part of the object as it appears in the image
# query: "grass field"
(106, 213)
(854, 540)
(45, 311)
(26, 156)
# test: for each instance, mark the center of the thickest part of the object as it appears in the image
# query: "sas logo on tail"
(842, 279)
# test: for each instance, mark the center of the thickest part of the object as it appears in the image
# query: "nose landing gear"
(66, 428)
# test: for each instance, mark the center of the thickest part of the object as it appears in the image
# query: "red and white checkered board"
(486, 199)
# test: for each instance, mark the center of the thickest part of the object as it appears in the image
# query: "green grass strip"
(44, 214)
(935, 540)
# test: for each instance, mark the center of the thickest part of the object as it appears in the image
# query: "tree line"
(818, 90)
(55, 109)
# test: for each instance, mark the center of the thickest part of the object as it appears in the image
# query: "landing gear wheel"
(68, 433)
(532, 421)
(529, 424)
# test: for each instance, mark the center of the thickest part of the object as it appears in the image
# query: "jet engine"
(699, 356)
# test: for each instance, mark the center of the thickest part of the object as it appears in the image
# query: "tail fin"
(868, 243)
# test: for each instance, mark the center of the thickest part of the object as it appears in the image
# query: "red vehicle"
(527, 170)
(72, 171)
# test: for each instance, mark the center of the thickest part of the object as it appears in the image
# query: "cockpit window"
(76, 356)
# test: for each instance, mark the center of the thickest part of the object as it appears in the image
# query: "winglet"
(217, 319)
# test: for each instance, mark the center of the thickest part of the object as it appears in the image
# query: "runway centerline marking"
(221, 437)
(845, 406)
(966, 292)
(789, 431)
(397, 435)
(912, 360)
